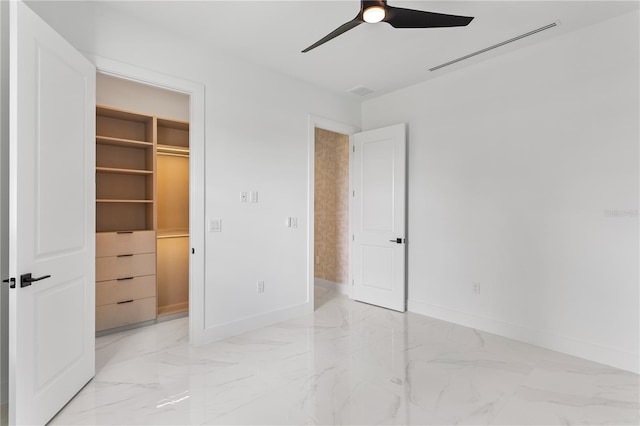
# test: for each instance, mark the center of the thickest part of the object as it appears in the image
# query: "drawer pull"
(125, 278)
(125, 301)
(125, 255)
(124, 232)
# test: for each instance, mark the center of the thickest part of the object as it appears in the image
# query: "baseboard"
(609, 356)
(339, 288)
(233, 328)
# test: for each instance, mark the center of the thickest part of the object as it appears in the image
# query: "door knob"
(26, 279)
(397, 241)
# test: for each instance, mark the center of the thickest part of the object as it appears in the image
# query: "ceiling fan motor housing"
(366, 4)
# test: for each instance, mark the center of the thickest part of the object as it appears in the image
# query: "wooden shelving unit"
(125, 218)
(172, 159)
(142, 217)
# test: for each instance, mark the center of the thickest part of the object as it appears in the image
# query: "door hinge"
(353, 193)
(354, 148)
(193, 251)
(353, 237)
(11, 282)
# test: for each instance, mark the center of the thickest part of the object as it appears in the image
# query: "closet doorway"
(142, 204)
(331, 210)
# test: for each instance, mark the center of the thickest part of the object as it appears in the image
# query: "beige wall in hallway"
(331, 206)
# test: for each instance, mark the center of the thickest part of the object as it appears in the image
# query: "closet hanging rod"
(173, 148)
(162, 237)
(171, 154)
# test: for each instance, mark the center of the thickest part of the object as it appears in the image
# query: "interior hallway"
(348, 363)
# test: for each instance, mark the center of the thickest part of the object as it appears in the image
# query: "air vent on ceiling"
(360, 91)
(511, 40)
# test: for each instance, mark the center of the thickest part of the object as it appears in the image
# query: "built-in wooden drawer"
(120, 314)
(125, 266)
(114, 291)
(115, 243)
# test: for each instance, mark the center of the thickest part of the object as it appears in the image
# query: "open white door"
(52, 220)
(378, 181)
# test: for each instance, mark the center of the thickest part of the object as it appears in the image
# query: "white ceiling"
(272, 33)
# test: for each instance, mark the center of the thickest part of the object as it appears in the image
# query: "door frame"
(337, 127)
(196, 93)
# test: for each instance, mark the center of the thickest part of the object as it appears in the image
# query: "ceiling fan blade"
(335, 33)
(399, 17)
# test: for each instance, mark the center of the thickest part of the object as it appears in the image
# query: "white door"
(52, 214)
(378, 182)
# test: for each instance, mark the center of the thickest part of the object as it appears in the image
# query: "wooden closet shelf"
(122, 114)
(123, 171)
(130, 143)
(105, 200)
(173, 124)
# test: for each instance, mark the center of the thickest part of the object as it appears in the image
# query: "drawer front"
(117, 315)
(114, 267)
(115, 243)
(114, 291)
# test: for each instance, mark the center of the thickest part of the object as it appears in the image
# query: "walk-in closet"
(142, 204)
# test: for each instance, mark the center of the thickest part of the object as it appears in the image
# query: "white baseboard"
(609, 356)
(234, 328)
(339, 288)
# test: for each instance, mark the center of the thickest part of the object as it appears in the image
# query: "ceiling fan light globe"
(373, 14)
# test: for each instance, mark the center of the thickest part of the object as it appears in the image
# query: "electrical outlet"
(260, 286)
(253, 196)
(475, 288)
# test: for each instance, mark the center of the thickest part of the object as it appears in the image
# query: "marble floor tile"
(347, 363)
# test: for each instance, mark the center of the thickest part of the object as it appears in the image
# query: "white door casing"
(196, 93)
(52, 219)
(378, 221)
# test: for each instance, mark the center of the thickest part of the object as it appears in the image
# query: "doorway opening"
(142, 204)
(331, 211)
(328, 260)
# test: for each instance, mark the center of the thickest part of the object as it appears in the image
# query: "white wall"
(4, 200)
(256, 140)
(523, 177)
(132, 96)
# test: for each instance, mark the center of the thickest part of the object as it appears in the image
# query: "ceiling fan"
(373, 11)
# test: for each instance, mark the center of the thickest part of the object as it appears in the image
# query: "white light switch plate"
(215, 225)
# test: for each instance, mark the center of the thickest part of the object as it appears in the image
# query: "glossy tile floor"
(348, 363)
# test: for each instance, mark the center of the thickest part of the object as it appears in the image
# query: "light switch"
(215, 225)
(294, 222)
(253, 196)
(243, 197)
